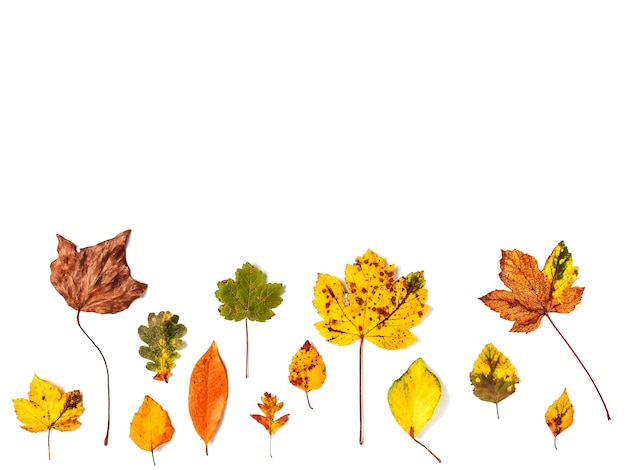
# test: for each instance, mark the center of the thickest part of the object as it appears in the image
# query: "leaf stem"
(497, 411)
(608, 416)
(247, 364)
(106, 437)
(49, 431)
(361, 426)
(429, 451)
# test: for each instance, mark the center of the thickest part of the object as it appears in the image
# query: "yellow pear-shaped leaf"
(307, 370)
(560, 415)
(413, 399)
(151, 426)
(493, 376)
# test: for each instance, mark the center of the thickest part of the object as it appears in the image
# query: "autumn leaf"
(163, 337)
(269, 406)
(151, 426)
(534, 294)
(307, 370)
(493, 376)
(95, 279)
(374, 307)
(47, 408)
(413, 398)
(560, 415)
(248, 296)
(208, 393)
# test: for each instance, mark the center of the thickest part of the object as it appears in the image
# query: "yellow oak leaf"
(47, 408)
(307, 370)
(373, 305)
(413, 398)
(151, 426)
(493, 376)
(560, 415)
(269, 406)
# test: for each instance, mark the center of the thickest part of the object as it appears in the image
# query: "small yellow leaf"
(151, 426)
(47, 408)
(560, 415)
(493, 376)
(307, 370)
(413, 398)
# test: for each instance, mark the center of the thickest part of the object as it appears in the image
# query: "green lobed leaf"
(163, 338)
(248, 295)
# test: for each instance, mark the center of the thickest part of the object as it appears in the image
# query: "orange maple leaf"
(534, 293)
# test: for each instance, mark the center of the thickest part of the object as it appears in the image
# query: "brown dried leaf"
(96, 278)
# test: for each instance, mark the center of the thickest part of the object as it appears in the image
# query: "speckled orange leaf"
(307, 370)
(208, 392)
(151, 426)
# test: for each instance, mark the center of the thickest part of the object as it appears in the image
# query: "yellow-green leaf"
(47, 408)
(493, 376)
(307, 370)
(151, 426)
(413, 398)
(560, 415)
(163, 337)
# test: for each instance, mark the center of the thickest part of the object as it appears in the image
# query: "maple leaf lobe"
(96, 278)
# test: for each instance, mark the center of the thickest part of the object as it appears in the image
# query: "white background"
(295, 136)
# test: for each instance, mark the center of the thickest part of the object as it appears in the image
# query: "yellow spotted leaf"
(47, 408)
(560, 415)
(372, 305)
(151, 426)
(307, 370)
(269, 406)
(413, 398)
(493, 376)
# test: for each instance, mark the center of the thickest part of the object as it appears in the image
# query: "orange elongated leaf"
(269, 406)
(208, 393)
(307, 370)
(560, 415)
(533, 294)
(47, 408)
(151, 426)
(95, 279)
(372, 306)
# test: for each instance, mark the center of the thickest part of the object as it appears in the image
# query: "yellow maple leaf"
(373, 305)
(151, 426)
(307, 370)
(560, 415)
(493, 376)
(47, 408)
